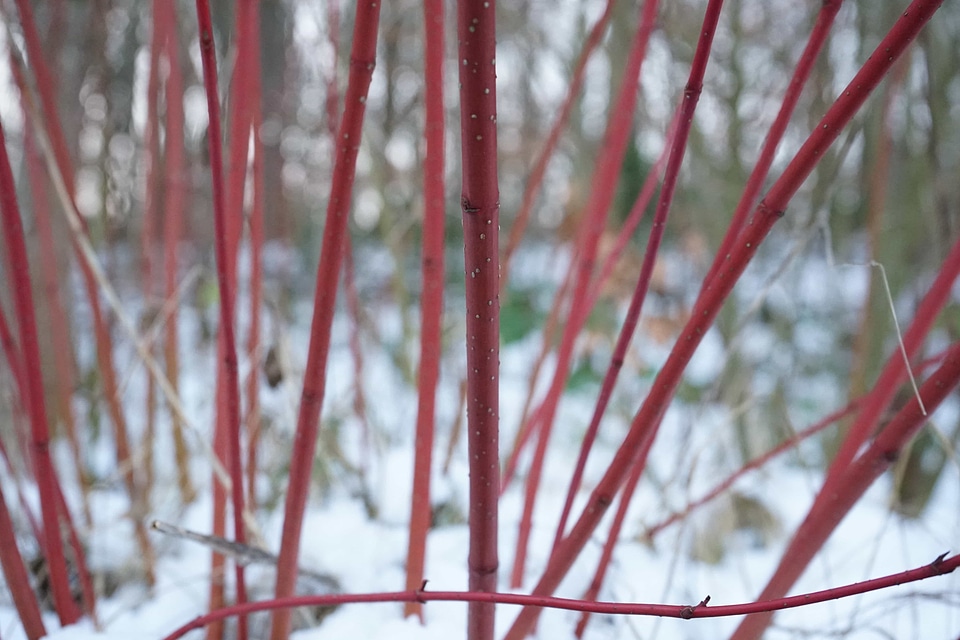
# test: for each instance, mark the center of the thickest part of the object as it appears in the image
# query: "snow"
(692, 453)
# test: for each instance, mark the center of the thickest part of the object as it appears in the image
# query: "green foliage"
(633, 172)
(518, 315)
(584, 376)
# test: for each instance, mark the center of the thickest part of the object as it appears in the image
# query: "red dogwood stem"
(535, 180)
(684, 119)
(941, 565)
(362, 60)
(15, 574)
(821, 29)
(603, 189)
(480, 202)
(225, 249)
(174, 205)
(770, 209)
(431, 306)
(831, 506)
(18, 272)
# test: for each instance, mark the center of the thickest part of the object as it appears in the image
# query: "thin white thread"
(896, 323)
(893, 312)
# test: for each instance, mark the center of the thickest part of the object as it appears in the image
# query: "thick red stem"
(17, 580)
(226, 238)
(362, 59)
(480, 203)
(431, 306)
(601, 196)
(620, 350)
(821, 29)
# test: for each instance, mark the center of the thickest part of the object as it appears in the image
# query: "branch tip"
(687, 612)
(419, 592)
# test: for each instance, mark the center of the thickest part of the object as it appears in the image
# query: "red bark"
(362, 59)
(18, 272)
(226, 238)
(602, 193)
(770, 209)
(940, 566)
(431, 306)
(480, 203)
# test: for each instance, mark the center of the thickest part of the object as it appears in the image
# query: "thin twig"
(241, 553)
(941, 565)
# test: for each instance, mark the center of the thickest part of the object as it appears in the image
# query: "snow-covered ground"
(692, 453)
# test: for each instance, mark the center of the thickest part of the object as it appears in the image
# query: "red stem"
(12, 355)
(480, 202)
(253, 420)
(612, 536)
(225, 250)
(756, 463)
(942, 565)
(684, 119)
(770, 209)
(349, 281)
(15, 574)
(243, 100)
(831, 506)
(103, 340)
(87, 593)
(219, 525)
(63, 351)
(11, 562)
(174, 206)
(25, 506)
(431, 306)
(362, 59)
(356, 354)
(151, 142)
(619, 354)
(636, 212)
(239, 122)
(18, 272)
(818, 35)
(602, 193)
(553, 139)
(530, 418)
(45, 87)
